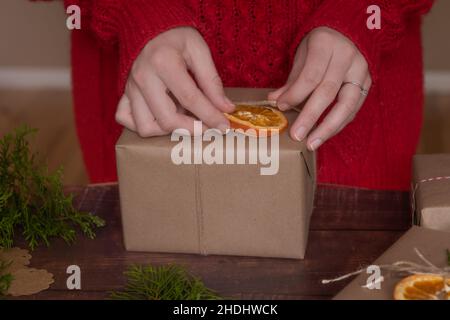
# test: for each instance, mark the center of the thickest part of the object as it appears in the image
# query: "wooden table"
(350, 228)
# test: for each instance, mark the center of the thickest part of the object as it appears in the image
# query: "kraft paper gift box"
(431, 191)
(224, 209)
(432, 244)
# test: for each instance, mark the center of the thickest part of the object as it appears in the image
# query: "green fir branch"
(163, 283)
(32, 201)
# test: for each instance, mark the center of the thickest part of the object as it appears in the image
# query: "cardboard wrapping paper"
(215, 209)
(431, 191)
(431, 243)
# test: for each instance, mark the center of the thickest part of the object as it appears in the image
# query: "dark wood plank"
(102, 295)
(66, 295)
(336, 246)
(330, 253)
(338, 208)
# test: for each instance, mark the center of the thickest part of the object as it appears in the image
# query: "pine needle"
(32, 201)
(163, 283)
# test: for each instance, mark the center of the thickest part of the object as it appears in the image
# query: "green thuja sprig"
(32, 200)
(163, 283)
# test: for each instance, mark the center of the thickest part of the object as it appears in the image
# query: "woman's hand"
(327, 65)
(166, 64)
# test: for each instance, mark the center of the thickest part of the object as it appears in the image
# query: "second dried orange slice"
(422, 287)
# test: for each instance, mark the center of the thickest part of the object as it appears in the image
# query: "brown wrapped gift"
(431, 244)
(215, 209)
(431, 191)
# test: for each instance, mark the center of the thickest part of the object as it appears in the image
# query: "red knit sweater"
(253, 43)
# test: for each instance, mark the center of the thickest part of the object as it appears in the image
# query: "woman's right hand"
(166, 64)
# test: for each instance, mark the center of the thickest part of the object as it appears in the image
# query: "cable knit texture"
(253, 44)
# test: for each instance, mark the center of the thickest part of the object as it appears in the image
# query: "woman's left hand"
(327, 65)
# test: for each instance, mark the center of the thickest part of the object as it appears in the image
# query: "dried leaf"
(22, 279)
(29, 281)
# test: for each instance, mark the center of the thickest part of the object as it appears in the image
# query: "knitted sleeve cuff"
(131, 24)
(348, 18)
(143, 20)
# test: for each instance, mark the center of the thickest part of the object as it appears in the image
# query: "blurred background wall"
(34, 35)
(35, 82)
(436, 38)
(35, 44)
(35, 79)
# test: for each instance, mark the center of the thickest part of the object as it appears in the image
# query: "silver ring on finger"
(364, 92)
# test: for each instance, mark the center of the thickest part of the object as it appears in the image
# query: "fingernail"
(223, 127)
(229, 102)
(272, 95)
(300, 134)
(315, 144)
(283, 106)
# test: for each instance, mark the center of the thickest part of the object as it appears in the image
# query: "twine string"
(400, 267)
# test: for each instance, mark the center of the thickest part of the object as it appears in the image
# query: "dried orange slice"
(422, 287)
(257, 118)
